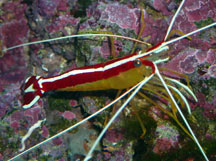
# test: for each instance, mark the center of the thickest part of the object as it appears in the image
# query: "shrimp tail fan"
(31, 91)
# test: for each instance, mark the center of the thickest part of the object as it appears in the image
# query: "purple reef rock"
(24, 21)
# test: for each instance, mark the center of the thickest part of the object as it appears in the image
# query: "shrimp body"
(119, 73)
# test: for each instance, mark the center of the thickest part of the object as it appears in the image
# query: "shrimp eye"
(137, 63)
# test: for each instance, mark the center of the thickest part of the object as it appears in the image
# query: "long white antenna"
(73, 36)
(88, 156)
(180, 112)
(165, 44)
(77, 124)
(173, 20)
(110, 35)
(189, 34)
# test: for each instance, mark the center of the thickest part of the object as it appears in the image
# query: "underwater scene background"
(24, 21)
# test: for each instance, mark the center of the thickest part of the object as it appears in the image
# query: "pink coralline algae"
(73, 103)
(110, 15)
(49, 8)
(69, 115)
(16, 24)
(184, 62)
(163, 145)
(15, 28)
(105, 50)
(32, 114)
(61, 22)
(212, 71)
(45, 131)
(13, 10)
(188, 61)
(209, 110)
(57, 141)
(122, 15)
(167, 139)
(188, 64)
(113, 135)
(15, 125)
(16, 119)
(1, 156)
(211, 56)
(13, 32)
(10, 100)
(161, 6)
(201, 10)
